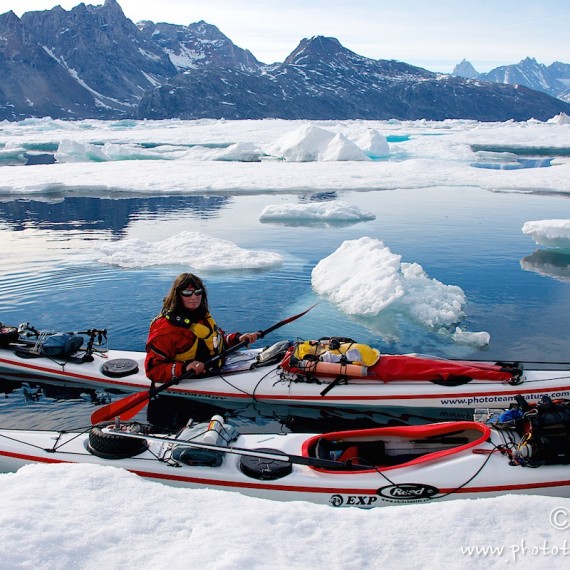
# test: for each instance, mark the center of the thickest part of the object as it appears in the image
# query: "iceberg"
(310, 143)
(429, 301)
(373, 143)
(549, 233)
(363, 278)
(561, 119)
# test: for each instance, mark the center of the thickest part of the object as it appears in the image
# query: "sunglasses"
(188, 293)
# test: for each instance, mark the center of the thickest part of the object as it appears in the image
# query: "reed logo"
(408, 492)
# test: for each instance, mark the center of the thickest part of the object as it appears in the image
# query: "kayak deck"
(443, 461)
(239, 382)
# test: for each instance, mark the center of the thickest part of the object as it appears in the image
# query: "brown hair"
(172, 304)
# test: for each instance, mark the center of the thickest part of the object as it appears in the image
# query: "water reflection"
(81, 213)
(549, 263)
(168, 414)
(515, 164)
(460, 236)
(523, 151)
(39, 405)
(318, 197)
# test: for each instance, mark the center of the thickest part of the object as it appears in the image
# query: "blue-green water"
(516, 291)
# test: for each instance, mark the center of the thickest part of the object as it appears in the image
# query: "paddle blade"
(125, 408)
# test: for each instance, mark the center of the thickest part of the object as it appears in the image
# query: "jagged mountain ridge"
(465, 69)
(553, 79)
(321, 79)
(103, 49)
(93, 62)
(198, 45)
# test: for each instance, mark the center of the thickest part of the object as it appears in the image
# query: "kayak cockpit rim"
(395, 447)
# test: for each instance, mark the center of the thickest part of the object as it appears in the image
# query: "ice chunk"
(479, 339)
(561, 119)
(363, 277)
(310, 143)
(550, 233)
(340, 148)
(373, 143)
(430, 301)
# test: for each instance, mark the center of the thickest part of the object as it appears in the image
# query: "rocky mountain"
(323, 80)
(93, 62)
(553, 79)
(198, 45)
(465, 69)
(32, 83)
(103, 50)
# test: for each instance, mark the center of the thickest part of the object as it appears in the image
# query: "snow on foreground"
(191, 249)
(93, 517)
(363, 278)
(185, 157)
(329, 211)
(550, 233)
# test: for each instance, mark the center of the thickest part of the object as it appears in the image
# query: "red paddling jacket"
(174, 340)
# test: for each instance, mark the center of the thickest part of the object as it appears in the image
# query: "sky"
(435, 35)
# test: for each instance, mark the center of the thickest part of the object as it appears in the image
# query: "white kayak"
(248, 377)
(364, 468)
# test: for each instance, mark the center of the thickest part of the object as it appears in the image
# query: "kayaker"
(184, 335)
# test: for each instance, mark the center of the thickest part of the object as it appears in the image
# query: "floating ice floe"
(549, 233)
(429, 301)
(310, 143)
(480, 339)
(331, 211)
(191, 249)
(363, 277)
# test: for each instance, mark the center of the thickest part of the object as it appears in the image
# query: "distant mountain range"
(553, 79)
(93, 62)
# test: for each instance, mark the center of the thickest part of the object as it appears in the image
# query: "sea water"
(50, 276)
